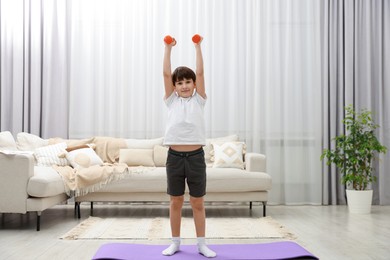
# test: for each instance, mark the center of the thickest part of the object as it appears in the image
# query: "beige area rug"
(159, 229)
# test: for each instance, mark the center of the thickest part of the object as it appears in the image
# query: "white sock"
(173, 248)
(203, 249)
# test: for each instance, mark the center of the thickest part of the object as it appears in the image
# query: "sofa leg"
(91, 208)
(77, 209)
(39, 220)
(250, 205)
(264, 208)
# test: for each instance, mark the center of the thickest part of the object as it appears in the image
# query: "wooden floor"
(329, 232)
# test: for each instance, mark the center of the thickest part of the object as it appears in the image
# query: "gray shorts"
(186, 165)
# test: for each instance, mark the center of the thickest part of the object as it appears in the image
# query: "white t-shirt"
(185, 123)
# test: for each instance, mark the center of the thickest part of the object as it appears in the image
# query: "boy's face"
(185, 88)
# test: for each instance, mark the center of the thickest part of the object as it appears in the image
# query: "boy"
(185, 98)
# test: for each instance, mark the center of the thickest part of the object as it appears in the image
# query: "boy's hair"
(181, 73)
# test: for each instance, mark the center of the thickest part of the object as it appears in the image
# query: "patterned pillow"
(82, 156)
(209, 147)
(48, 155)
(228, 155)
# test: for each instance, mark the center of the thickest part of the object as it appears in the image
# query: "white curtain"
(356, 71)
(262, 66)
(33, 68)
(100, 72)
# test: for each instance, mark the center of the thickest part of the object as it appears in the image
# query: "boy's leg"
(176, 204)
(175, 188)
(199, 214)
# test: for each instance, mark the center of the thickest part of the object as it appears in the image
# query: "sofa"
(30, 182)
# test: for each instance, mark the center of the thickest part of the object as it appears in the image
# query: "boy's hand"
(197, 39)
(169, 40)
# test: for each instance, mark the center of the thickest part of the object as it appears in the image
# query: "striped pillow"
(48, 155)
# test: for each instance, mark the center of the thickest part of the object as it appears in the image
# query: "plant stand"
(359, 201)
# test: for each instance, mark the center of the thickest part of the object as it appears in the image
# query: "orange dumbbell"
(168, 39)
(196, 38)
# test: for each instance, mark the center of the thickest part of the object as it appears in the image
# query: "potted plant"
(354, 154)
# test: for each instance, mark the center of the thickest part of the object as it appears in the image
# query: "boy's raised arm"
(200, 84)
(167, 72)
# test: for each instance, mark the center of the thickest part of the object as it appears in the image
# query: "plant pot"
(359, 201)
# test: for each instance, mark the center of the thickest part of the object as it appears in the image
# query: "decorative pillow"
(7, 141)
(82, 156)
(208, 147)
(143, 143)
(29, 142)
(212, 152)
(160, 154)
(48, 155)
(136, 157)
(228, 155)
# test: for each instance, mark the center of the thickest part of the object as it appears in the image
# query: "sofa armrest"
(255, 162)
(15, 172)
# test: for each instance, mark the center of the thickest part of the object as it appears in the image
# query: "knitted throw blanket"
(79, 182)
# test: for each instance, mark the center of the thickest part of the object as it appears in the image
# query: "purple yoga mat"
(274, 250)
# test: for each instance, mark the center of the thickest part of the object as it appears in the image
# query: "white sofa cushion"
(151, 181)
(218, 180)
(29, 142)
(46, 182)
(236, 180)
(7, 141)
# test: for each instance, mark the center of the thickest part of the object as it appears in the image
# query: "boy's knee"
(197, 203)
(177, 201)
